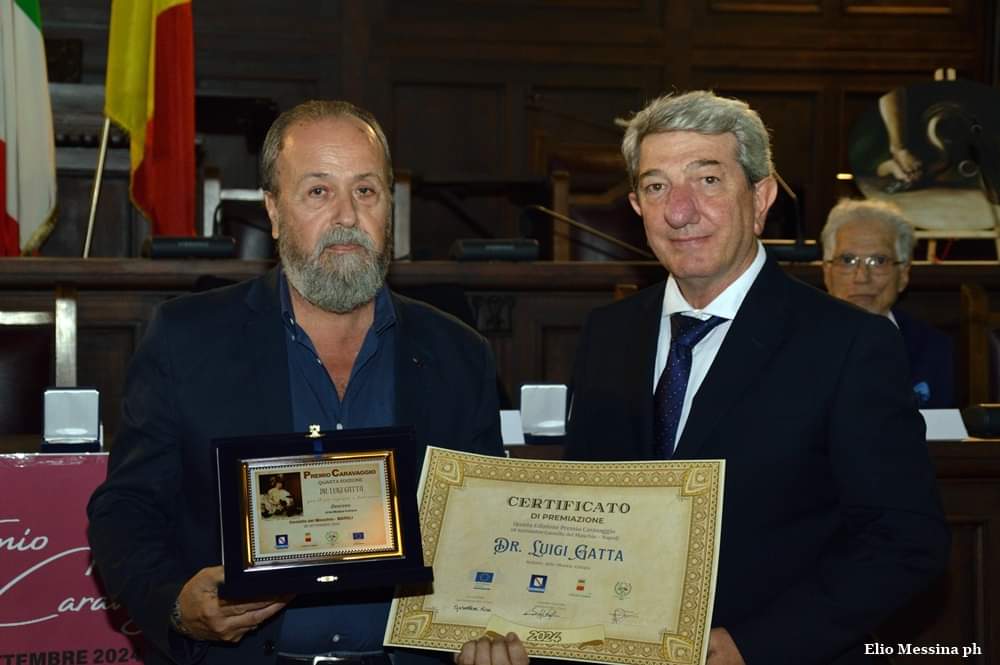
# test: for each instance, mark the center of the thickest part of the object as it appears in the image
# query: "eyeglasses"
(877, 264)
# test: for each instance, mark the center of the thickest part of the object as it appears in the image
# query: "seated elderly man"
(867, 249)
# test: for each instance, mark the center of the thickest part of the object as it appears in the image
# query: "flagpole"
(96, 193)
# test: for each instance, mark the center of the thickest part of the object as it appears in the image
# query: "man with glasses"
(867, 249)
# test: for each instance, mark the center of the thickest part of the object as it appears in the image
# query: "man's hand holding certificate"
(606, 562)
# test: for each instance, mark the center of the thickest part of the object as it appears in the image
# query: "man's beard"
(335, 282)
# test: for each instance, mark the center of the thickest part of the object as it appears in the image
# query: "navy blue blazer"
(214, 365)
(831, 517)
(931, 356)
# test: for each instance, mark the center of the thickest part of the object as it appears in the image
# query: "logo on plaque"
(622, 590)
(358, 535)
(281, 541)
(537, 583)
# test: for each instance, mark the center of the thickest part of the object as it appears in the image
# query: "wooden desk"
(530, 312)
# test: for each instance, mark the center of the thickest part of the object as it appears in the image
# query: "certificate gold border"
(248, 515)
(701, 481)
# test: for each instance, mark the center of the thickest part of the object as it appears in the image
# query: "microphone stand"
(799, 251)
(986, 184)
(591, 230)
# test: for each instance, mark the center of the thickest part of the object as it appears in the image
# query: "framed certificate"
(319, 512)
(587, 561)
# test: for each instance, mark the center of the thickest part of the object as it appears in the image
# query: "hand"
(907, 162)
(721, 649)
(891, 167)
(205, 616)
(493, 651)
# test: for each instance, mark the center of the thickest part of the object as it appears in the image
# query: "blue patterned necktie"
(685, 333)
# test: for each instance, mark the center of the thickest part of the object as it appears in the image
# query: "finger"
(498, 652)
(242, 607)
(467, 656)
(235, 634)
(516, 650)
(484, 648)
(213, 575)
(265, 613)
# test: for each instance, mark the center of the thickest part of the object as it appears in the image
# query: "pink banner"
(53, 610)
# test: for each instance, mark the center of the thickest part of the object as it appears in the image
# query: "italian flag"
(27, 148)
(150, 94)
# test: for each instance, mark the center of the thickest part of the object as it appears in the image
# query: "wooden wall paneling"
(905, 7)
(584, 113)
(104, 352)
(286, 51)
(110, 327)
(836, 32)
(86, 21)
(554, 12)
(119, 229)
(533, 32)
(969, 589)
(368, 51)
(922, 623)
(546, 326)
(452, 131)
(581, 120)
(794, 108)
(766, 7)
(531, 316)
(676, 47)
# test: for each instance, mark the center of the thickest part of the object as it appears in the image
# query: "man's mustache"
(343, 236)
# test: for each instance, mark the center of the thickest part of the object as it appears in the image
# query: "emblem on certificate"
(587, 561)
(319, 511)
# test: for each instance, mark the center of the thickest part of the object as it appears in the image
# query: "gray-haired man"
(831, 517)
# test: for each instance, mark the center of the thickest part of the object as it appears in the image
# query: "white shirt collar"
(726, 304)
(889, 315)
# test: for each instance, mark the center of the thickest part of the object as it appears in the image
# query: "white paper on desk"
(944, 425)
(511, 430)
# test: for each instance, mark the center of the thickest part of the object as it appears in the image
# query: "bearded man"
(319, 339)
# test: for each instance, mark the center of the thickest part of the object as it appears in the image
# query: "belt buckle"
(318, 660)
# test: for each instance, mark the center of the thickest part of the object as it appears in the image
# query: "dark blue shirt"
(356, 623)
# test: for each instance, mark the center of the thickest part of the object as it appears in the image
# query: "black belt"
(371, 659)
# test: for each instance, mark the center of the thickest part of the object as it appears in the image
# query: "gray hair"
(314, 111)
(703, 112)
(880, 212)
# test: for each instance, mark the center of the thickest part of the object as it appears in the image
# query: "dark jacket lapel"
(260, 366)
(636, 376)
(755, 335)
(413, 398)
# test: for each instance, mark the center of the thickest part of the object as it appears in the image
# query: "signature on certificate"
(619, 615)
(542, 612)
(470, 608)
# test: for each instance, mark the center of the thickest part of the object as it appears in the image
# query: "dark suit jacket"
(931, 356)
(215, 365)
(831, 517)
